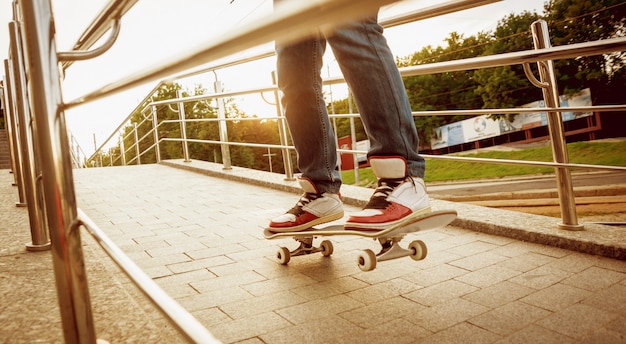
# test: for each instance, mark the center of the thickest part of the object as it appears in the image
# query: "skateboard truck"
(391, 250)
(306, 247)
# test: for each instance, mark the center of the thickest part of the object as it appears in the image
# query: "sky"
(157, 30)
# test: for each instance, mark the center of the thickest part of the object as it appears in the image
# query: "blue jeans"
(369, 68)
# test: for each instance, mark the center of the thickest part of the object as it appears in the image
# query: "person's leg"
(370, 70)
(299, 78)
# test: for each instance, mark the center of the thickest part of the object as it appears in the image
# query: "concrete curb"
(591, 191)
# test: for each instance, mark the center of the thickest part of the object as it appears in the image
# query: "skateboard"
(388, 238)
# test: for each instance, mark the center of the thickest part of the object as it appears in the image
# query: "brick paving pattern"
(200, 238)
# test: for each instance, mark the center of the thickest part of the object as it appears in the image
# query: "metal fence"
(543, 55)
(43, 153)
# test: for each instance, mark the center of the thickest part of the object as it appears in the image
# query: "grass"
(592, 153)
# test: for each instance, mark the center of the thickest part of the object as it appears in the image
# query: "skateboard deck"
(389, 239)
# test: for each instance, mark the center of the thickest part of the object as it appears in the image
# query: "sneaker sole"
(308, 225)
(375, 227)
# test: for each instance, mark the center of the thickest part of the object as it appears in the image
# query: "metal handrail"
(187, 325)
(419, 14)
(291, 22)
(113, 11)
(539, 55)
(522, 57)
(53, 151)
(433, 11)
(388, 22)
(553, 53)
(595, 108)
(428, 156)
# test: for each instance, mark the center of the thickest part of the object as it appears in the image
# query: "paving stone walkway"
(200, 238)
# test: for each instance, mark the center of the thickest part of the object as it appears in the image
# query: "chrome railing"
(542, 56)
(79, 158)
(42, 153)
(43, 150)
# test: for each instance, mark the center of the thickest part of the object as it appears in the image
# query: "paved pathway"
(200, 238)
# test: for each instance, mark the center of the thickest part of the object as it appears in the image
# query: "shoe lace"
(305, 199)
(382, 192)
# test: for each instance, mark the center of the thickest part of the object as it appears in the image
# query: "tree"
(169, 149)
(343, 124)
(508, 86)
(443, 91)
(570, 21)
(577, 21)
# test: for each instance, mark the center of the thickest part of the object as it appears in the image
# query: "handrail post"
(58, 181)
(8, 119)
(97, 151)
(14, 139)
(75, 152)
(155, 131)
(38, 230)
(282, 133)
(556, 131)
(221, 114)
(122, 150)
(355, 158)
(183, 126)
(137, 152)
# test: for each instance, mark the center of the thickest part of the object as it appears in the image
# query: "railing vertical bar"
(58, 182)
(183, 126)
(38, 230)
(137, 152)
(556, 131)
(14, 137)
(97, 151)
(155, 131)
(282, 133)
(7, 124)
(223, 129)
(122, 150)
(355, 160)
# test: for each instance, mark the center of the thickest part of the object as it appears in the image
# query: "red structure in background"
(347, 160)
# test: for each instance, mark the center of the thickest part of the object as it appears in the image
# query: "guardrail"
(542, 55)
(48, 147)
(42, 154)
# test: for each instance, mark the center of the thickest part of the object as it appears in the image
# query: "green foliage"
(366, 177)
(200, 125)
(577, 21)
(593, 153)
(342, 125)
(443, 91)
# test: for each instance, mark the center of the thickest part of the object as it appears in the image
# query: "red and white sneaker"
(397, 198)
(312, 209)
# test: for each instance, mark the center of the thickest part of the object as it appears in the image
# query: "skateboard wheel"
(327, 248)
(419, 250)
(367, 260)
(283, 255)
